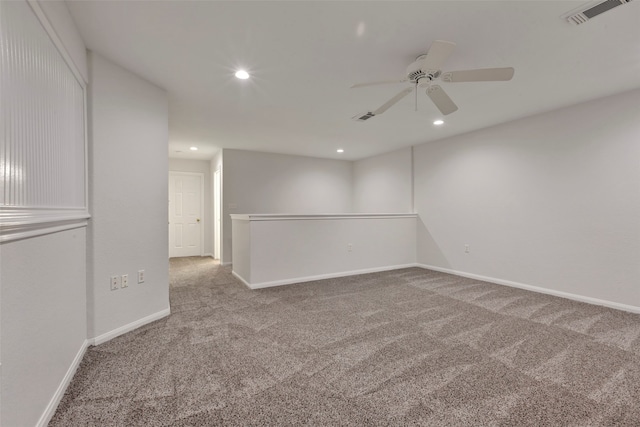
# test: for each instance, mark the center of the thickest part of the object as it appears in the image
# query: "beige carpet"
(406, 347)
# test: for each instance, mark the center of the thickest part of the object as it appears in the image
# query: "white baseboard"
(239, 277)
(575, 297)
(130, 327)
(66, 380)
(320, 276)
(208, 254)
(224, 264)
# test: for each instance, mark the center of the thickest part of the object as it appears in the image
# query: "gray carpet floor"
(405, 347)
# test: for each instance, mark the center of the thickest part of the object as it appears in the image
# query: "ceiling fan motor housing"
(415, 71)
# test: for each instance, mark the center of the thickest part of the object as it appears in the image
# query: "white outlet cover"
(125, 281)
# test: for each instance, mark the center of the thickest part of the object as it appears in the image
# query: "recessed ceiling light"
(438, 122)
(193, 148)
(340, 150)
(242, 74)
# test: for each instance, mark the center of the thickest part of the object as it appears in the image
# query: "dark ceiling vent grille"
(591, 10)
(363, 117)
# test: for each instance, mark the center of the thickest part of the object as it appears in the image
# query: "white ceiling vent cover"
(591, 10)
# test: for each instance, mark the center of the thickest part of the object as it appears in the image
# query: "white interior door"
(216, 214)
(185, 214)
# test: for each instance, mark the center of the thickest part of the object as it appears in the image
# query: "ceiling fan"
(426, 69)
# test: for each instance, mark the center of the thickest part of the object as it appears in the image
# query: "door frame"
(217, 216)
(201, 175)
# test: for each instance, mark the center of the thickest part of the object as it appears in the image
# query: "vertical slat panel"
(42, 158)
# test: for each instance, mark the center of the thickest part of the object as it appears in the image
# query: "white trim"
(9, 234)
(290, 217)
(202, 213)
(222, 217)
(15, 216)
(320, 276)
(23, 224)
(225, 264)
(130, 327)
(86, 148)
(239, 277)
(413, 181)
(575, 297)
(217, 213)
(62, 387)
(57, 41)
(210, 255)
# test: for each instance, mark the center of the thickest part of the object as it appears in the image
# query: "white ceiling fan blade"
(381, 82)
(438, 53)
(390, 103)
(481, 75)
(441, 99)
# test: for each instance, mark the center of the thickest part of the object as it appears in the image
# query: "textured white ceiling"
(304, 55)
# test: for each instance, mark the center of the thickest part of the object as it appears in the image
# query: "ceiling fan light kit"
(425, 70)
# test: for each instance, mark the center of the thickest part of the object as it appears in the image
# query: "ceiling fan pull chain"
(416, 96)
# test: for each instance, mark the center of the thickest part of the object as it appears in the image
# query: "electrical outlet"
(140, 276)
(124, 282)
(115, 282)
(349, 247)
(466, 249)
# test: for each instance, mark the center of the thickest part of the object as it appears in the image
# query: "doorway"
(186, 200)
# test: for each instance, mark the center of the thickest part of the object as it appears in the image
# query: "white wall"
(270, 251)
(43, 303)
(383, 183)
(203, 167)
(128, 194)
(551, 201)
(43, 320)
(258, 182)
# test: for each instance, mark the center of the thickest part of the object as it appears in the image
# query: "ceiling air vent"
(591, 10)
(363, 117)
